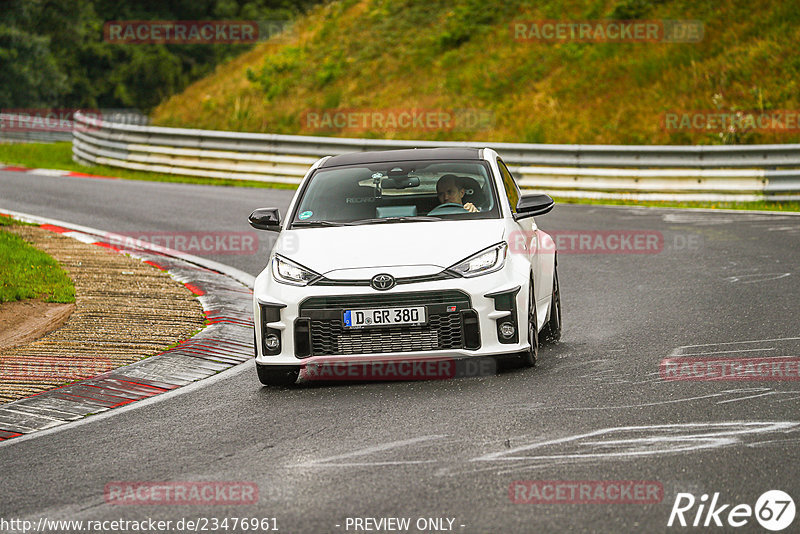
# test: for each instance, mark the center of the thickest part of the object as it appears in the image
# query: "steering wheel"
(448, 208)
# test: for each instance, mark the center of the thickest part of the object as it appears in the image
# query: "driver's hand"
(470, 207)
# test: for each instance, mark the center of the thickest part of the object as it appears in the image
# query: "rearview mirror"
(532, 205)
(400, 182)
(266, 219)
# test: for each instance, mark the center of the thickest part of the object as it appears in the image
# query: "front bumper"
(307, 319)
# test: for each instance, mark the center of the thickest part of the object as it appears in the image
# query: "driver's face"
(450, 193)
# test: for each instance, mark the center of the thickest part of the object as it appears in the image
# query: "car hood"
(400, 249)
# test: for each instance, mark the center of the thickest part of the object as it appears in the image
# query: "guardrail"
(14, 130)
(34, 137)
(45, 125)
(706, 173)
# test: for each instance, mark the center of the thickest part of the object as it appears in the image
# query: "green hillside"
(451, 55)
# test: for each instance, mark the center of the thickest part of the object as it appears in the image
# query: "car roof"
(413, 154)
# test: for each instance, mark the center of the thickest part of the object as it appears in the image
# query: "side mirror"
(266, 219)
(532, 205)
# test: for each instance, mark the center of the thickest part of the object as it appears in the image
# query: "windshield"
(397, 192)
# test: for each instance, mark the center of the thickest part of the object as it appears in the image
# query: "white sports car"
(405, 255)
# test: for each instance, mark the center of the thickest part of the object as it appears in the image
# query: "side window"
(512, 191)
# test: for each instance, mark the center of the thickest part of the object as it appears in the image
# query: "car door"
(531, 235)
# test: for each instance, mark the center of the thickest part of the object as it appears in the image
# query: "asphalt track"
(595, 408)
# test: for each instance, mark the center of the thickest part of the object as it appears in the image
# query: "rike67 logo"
(774, 510)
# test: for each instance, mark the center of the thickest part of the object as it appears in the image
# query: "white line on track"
(654, 439)
(674, 401)
(373, 449)
(759, 395)
(681, 351)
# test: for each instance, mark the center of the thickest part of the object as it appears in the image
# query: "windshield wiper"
(415, 218)
(315, 223)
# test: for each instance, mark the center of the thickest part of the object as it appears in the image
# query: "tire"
(528, 358)
(552, 329)
(277, 375)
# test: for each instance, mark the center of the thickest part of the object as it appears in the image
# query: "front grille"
(444, 275)
(328, 336)
(419, 298)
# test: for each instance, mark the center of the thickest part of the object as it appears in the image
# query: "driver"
(450, 191)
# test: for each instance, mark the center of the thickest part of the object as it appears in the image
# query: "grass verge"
(59, 156)
(29, 273)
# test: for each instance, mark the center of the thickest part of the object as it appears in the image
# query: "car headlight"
(486, 261)
(289, 272)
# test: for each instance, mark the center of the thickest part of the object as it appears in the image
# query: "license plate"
(384, 317)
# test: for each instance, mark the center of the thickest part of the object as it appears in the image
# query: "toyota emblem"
(382, 282)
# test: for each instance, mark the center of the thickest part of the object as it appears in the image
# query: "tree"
(29, 73)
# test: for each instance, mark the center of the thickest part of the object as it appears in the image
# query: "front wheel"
(277, 375)
(528, 358)
(552, 329)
